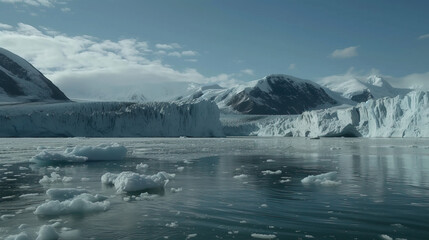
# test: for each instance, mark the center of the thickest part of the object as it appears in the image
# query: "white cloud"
(345, 53)
(90, 68)
(5, 26)
(424, 36)
(191, 60)
(175, 54)
(418, 81)
(167, 46)
(248, 72)
(65, 9)
(292, 66)
(36, 3)
(189, 53)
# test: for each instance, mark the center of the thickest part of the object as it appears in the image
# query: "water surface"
(383, 192)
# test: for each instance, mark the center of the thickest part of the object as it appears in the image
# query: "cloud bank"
(36, 3)
(85, 67)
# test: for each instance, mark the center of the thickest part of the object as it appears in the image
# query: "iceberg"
(134, 182)
(79, 204)
(324, 179)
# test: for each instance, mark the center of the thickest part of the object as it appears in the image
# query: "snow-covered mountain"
(273, 94)
(110, 119)
(21, 82)
(401, 116)
(361, 90)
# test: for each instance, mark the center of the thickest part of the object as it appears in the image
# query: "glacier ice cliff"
(110, 119)
(401, 116)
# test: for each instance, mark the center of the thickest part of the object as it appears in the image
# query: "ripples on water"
(384, 189)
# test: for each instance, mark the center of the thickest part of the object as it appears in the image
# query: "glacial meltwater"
(214, 188)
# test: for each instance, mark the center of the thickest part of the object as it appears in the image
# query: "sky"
(108, 49)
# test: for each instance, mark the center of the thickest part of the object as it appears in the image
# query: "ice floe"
(64, 193)
(269, 172)
(79, 154)
(325, 179)
(75, 201)
(263, 236)
(55, 178)
(142, 166)
(134, 182)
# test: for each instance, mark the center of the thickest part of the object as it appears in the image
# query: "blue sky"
(227, 41)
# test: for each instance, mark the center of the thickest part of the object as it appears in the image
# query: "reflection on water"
(384, 189)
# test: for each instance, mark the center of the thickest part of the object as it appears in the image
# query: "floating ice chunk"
(48, 157)
(142, 166)
(308, 236)
(29, 195)
(108, 152)
(385, 237)
(192, 235)
(263, 236)
(269, 172)
(134, 182)
(146, 196)
(23, 168)
(67, 179)
(47, 232)
(20, 236)
(172, 225)
(241, 176)
(81, 204)
(23, 226)
(55, 178)
(264, 205)
(84, 179)
(270, 160)
(78, 154)
(8, 197)
(325, 179)
(285, 180)
(6, 216)
(180, 169)
(176, 190)
(64, 193)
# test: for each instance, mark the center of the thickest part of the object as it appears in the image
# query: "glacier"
(110, 119)
(400, 116)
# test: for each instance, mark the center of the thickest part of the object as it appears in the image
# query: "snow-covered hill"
(21, 82)
(361, 90)
(110, 119)
(274, 94)
(401, 116)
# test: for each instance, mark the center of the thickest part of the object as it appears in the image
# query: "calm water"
(384, 190)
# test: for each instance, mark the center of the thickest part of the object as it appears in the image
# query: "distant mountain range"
(20, 81)
(273, 95)
(361, 90)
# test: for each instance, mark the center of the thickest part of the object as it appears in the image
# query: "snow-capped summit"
(273, 94)
(362, 89)
(21, 82)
